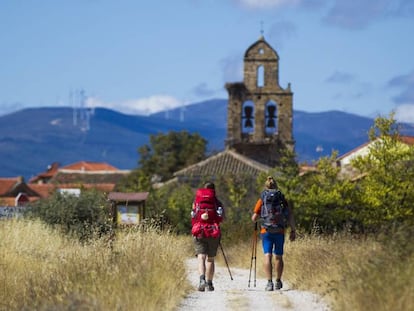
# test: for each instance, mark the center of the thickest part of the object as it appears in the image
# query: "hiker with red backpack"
(206, 215)
(275, 214)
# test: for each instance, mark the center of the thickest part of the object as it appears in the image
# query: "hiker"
(207, 214)
(274, 213)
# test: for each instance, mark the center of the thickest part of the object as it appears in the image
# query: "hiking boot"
(202, 285)
(278, 284)
(269, 286)
(210, 286)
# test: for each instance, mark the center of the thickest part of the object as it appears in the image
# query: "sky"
(141, 57)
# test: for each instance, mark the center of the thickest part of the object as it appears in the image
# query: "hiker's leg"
(202, 263)
(267, 250)
(279, 241)
(279, 266)
(210, 267)
(213, 245)
(267, 265)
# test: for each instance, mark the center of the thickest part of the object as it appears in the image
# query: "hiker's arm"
(256, 211)
(291, 217)
(291, 221)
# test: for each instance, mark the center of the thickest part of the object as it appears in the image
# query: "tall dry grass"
(42, 270)
(350, 273)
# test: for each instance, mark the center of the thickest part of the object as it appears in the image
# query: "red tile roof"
(409, 140)
(90, 166)
(83, 172)
(45, 190)
(7, 184)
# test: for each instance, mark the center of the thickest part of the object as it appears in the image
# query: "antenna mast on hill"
(84, 113)
(81, 114)
(72, 104)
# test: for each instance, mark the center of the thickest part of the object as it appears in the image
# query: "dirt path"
(236, 295)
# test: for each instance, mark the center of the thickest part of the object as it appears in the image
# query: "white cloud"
(267, 4)
(141, 106)
(405, 113)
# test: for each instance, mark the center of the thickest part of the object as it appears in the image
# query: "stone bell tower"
(259, 116)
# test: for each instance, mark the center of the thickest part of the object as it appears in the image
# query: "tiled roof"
(78, 167)
(71, 177)
(44, 190)
(305, 169)
(124, 196)
(7, 184)
(409, 140)
(49, 173)
(227, 161)
(11, 187)
(90, 166)
(354, 150)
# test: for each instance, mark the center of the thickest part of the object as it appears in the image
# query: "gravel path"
(236, 295)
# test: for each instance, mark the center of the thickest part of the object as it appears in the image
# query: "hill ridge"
(33, 138)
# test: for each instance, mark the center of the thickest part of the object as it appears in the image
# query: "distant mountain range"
(33, 138)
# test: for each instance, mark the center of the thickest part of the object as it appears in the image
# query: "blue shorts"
(273, 243)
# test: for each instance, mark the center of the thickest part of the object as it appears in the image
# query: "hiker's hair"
(209, 185)
(270, 183)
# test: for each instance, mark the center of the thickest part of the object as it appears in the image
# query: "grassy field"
(43, 270)
(351, 273)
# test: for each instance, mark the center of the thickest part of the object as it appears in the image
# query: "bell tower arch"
(260, 111)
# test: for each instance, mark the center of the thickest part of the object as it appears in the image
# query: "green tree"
(238, 194)
(179, 201)
(385, 190)
(168, 153)
(325, 201)
(135, 181)
(319, 198)
(82, 215)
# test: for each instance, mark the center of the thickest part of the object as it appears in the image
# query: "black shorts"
(207, 246)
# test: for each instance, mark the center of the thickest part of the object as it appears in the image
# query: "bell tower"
(259, 116)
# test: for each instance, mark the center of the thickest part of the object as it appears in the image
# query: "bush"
(82, 216)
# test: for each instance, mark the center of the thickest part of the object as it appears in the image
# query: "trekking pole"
(254, 252)
(225, 259)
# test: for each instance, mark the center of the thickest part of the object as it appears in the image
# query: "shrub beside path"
(236, 295)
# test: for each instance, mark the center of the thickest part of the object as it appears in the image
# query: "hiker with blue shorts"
(275, 215)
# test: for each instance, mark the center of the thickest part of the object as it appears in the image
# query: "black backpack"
(274, 213)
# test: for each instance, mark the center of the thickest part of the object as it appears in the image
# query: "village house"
(15, 193)
(344, 162)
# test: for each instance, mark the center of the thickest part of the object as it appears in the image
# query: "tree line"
(323, 200)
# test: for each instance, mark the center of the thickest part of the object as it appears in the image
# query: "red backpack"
(206, 214)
